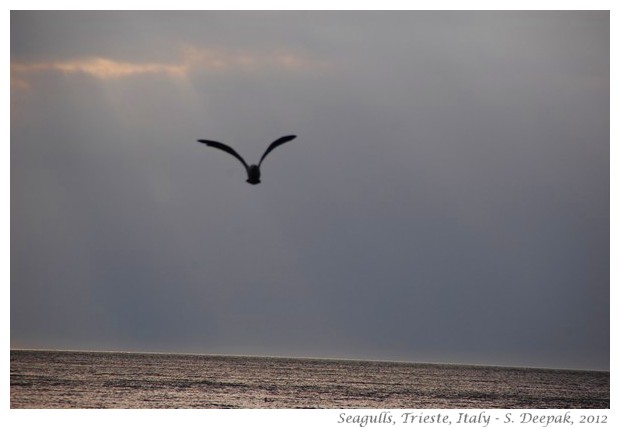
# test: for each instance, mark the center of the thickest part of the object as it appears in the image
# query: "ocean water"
(60, 379)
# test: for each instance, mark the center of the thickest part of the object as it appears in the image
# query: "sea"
(121, 380)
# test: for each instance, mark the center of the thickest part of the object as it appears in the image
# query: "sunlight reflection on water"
(50, 379)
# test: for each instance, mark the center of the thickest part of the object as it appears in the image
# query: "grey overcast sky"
(446, 200)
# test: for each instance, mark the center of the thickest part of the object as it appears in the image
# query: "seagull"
(254, 169)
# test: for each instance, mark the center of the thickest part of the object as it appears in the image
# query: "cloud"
(445, 201)
(192, 59)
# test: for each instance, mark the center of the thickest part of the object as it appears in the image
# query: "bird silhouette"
(254, 169)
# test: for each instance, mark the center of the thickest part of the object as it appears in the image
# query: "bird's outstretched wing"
(274, 145)
(225, 148)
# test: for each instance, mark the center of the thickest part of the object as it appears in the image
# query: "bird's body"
(253, 170)
(253, 174)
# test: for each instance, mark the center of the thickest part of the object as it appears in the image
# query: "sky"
(447, 198)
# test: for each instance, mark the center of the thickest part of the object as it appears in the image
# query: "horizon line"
(507, 366)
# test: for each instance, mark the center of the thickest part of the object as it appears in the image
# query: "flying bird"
(254, 169)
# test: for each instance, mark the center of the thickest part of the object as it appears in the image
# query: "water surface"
(60, 379)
